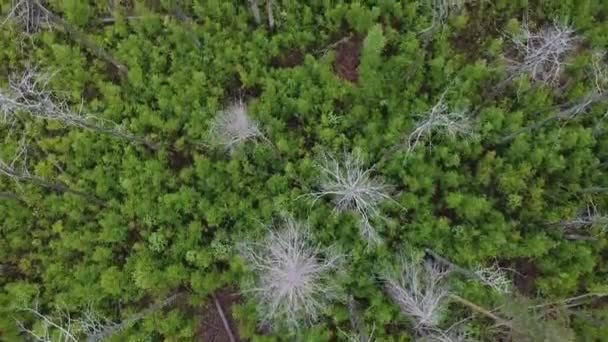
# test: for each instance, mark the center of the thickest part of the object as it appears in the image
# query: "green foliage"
(169, 217)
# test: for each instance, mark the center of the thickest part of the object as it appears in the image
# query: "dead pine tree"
(541, 54)
(87, 326)
(494, 276)
(28, 16)
(441, 11)
(233, 127)
(352, 187)
(293, 284)
(563, 113)
(420, 292)
(440, 120)
(17, 170)
(32, 15)
(579, 227)
(28, 94)
(257, 17)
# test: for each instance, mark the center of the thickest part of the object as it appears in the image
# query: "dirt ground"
(211, 328)
(347, 59)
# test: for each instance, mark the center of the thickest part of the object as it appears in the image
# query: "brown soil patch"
(347, 60)
(525, 276)
(179, 160)
(211, 327)
(289, 59)
(115, 74)
(128, 5)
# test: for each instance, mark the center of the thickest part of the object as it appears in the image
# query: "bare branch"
(419, 291)
(599, 70)
(590, 217)
(62, 327)
(541, 54)
(90, 326)
(31, 15)
(358, 334)
(481, 310)
(493, 276)
(440, 120)
(28, 15)
(256, 11)
(220, 311)
(233, 127)
(565, 112)
(292, 284)
(442, 10)
(269, 14)
(353, 188)
(28, 93)
(18, 171)
(109, 328)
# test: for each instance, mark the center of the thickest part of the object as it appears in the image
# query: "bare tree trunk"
(255, 10)
(451, 265)
(269, 14)
(82, 39)
(594, 190)
(10, 196)
(482, 311)
(577, 237)
(220, 311)
(28, 95)
(59, 187)
(355, 321)
(568, 112)
(118, 134)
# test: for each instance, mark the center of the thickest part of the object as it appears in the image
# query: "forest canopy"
(284, 170)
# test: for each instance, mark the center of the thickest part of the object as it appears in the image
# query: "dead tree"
(493, 276)
(358, 333)
(587, 219)
(233, 127)
(269, 14)
(440, 120)
(420, 292)
(179, 13)
(28, 94)
(28, 16)
(255, 10)
(31, 15)
(542, 53)
(88, 326)
(564, 113)
(442, 10)
(112, 329)
(293, 275)
(353, 187)
(599, 70)
(17, 170)
(220, 311)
